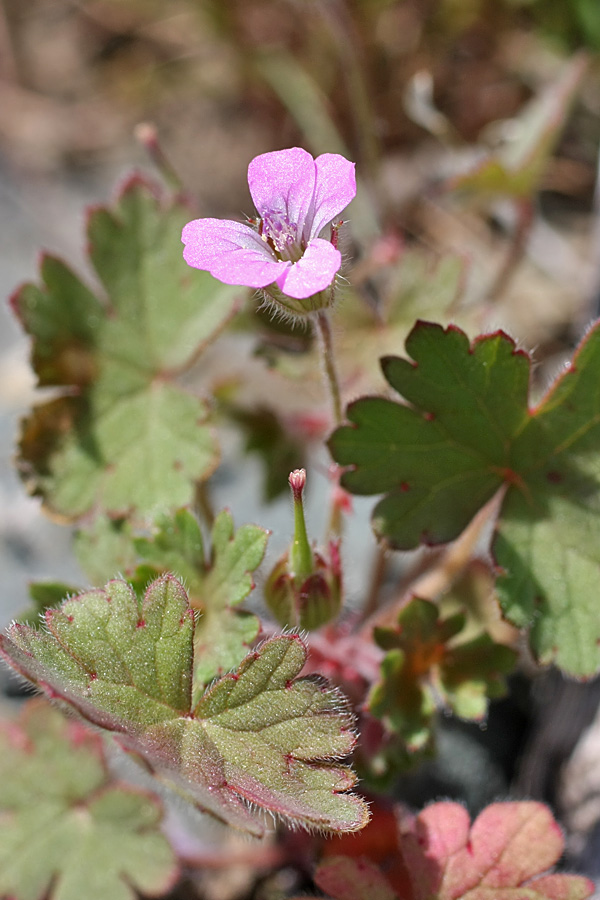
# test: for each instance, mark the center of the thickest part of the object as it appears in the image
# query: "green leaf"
(105, 546)
(224, 633)
(217, 583)
(258, 736)
(467, 432)
(67, 829)
(216, 586)
(122, 435)
(427, 667)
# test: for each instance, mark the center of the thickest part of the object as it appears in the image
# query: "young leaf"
(258, 736)
(224, 633)
(122, 434)
(467, 432)
(500, 857)
(216, 583)
(216, 586)
(67, 829)
(425, 667)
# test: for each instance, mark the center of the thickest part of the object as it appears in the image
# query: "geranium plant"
(241, 683)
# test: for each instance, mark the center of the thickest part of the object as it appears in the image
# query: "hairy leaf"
(216, 581)
(67, 829)
(258, 735)
(468, 432)
(216, 585)
(121, 435)
(427, 667)
(44, 594)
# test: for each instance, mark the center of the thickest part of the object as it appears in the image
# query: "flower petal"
(283, 181)
(313, 273)
(335, 187)
(231, 252)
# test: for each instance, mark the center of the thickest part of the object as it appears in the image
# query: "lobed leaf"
(468, 432)
(121, 435)
(499, 857)
(259, 735)
(217, 582)
(67, 828)
(427, 667)
(438, 855)
(216, 585)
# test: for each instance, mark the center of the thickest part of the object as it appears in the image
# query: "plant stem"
(203, 503)
(452, 562)
(323, 327)
(378, 573)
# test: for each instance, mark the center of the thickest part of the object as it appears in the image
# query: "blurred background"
(417, 92)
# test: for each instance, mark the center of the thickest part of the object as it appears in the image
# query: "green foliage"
(468, 432)
(67, 829)
(427, 667)
(258, 735)
(216, 586)
(216, 582)
(121, 435)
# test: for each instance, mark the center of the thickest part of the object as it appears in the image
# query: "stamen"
(281, 235)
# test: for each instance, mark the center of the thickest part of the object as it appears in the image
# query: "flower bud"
(304, 588)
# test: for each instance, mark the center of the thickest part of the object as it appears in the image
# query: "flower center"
(281, 235)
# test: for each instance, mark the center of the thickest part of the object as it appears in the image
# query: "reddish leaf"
(496, 859)
(353, 879)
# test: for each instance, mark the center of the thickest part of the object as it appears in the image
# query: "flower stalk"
(323, 329)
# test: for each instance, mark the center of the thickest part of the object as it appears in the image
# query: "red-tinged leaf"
(464, 432)
(379, 843)
(257, 736)
(428, 667)
(498, 858)
(68, 829)
(353, 879)
(122, 435)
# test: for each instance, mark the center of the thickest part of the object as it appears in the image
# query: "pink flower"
(295, 196)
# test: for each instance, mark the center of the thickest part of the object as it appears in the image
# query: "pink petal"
(313, 273)
(231, 252)
(283, 181)
(335, 187)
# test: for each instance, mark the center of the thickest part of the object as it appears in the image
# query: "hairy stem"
(323, 327)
